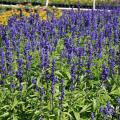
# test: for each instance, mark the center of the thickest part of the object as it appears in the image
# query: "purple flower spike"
(92, 116)
(34, 80)
(118, 100)
(105, 72)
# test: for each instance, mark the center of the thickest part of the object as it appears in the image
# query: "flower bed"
(61, 69)
(7, 12)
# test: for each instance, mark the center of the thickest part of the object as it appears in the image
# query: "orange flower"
(20, 5)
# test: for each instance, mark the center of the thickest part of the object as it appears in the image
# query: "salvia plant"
(61, 69)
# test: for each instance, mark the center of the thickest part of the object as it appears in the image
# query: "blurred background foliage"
(64, 2)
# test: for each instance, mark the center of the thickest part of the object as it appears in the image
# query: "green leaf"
(77, 115)
(37, 113)
(85, 108)
(14, 103)
(4, 107)
(67, 74)
(115, 92)
(21, 102)
(94, 104)
(113, 87)
(58, 73)
(29, 111)
(66, 113)
(15, 117)
(82, 77)
(103, 97)
(35, 95)
(4, 115)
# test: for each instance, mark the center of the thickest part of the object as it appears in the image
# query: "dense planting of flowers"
(61, 69)
(4, 16)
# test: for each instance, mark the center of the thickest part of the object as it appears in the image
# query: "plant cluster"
(61, 69)
(25, 11)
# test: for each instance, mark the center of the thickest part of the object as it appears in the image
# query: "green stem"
(52, 106)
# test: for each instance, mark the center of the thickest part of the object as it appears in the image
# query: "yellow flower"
(42, 13)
